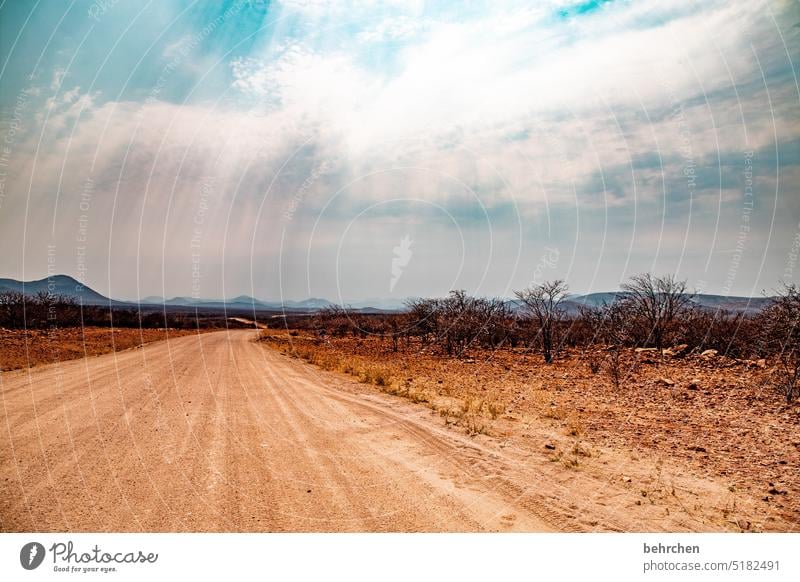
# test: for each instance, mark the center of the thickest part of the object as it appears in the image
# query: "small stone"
(550, 447)
(709, 353)
(666, 382)
(698, 449)
(675, 351)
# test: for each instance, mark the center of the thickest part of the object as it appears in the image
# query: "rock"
(626, 479)
(645, 350)
(762, 363)
(550, 447)
(676, 351)
(709, 353)
(698, 449)
(776, 491)
(694, 384)
(666, 382)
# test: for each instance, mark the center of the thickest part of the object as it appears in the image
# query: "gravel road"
(216, 433)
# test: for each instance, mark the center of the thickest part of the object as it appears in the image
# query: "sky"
(359, 149)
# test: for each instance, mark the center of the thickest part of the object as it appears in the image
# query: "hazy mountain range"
(66, 285)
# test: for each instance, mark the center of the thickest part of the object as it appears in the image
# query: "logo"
(402, 256)
(31, 555)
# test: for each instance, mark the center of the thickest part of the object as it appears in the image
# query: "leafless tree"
(657, 303)
(781, 328)
(12, 309)
(542, 303)
(423, 318)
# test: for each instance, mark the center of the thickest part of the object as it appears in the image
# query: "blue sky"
(285, 148)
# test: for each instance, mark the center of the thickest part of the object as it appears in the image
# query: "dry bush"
(614, 366)
(781, 328)
(595, 362)
(542, 304)
(658, 304)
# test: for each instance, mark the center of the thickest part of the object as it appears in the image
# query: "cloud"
(544, 124)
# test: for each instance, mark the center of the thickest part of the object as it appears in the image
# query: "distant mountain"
(594, 299)
(711, 302)
(310, 303)
(65, 285)
(57, 285)
(152, 299)
(738, 304)
(390, 304)
(246, 299)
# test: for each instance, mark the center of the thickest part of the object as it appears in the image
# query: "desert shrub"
(656, 305)
(614, 366)
(594, 362)
(542, 306)
(781, 335)
(731, 334)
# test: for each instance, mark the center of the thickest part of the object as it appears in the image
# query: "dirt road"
(216, 433)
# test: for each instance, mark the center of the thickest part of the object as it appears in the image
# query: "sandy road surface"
(216, 433)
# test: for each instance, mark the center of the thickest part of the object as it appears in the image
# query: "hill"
(57, 285)
(66, 285)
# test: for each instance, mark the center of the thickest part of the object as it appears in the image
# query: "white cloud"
(396, 28)
(511, 111)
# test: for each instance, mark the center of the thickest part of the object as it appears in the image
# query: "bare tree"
(656, 302)
(423, 318)
(781, 328)
(542, 303)
(12, 309)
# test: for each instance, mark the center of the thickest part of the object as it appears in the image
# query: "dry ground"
(26, 348)
(216, 432)
(707, 437)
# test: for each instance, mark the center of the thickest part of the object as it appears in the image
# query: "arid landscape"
(701, 442)
(356, 267)
(544, 413)
(28, 348)
(219, 432)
